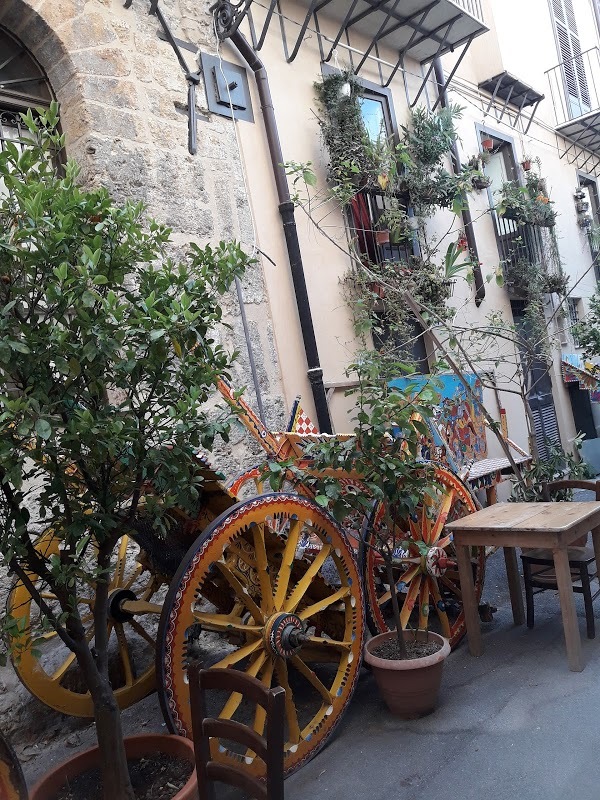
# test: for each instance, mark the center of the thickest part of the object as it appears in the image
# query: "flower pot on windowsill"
(487, 143)
(143, 746)
(409, 687)
(382, 237)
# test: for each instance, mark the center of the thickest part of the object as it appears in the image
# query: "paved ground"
(514, 723)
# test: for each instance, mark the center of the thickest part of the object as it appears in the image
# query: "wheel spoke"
(262, 566)
(235, 698)
(405, 578)
(409, 600)
(442, 516)
(134, 576)
(260, 715)
(240, 591)
(444, 542)
(304, 583)
(287, 562)
(124, 654)
(321, 605)
(451, 585)
(310, 676)
(238, 655)
(141, 631)
(117, 579)
(290, 707)
(225, 622)
(441, 612)
(329, 644)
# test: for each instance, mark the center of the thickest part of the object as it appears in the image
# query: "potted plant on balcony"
(106, 356)
(384, 453)
(526, 163)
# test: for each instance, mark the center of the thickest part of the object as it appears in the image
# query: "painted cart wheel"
(49, 669)
(248, 597)
(427, 577)
(12, 782)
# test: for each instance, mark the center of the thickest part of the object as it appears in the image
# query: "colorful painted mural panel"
(458, 428)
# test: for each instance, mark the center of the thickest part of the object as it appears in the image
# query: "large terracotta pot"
(409, 687)
(135, 747)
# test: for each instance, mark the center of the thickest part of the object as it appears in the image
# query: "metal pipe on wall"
(466, 213)
(287, 212)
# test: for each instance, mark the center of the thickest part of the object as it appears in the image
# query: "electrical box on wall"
(227, 88)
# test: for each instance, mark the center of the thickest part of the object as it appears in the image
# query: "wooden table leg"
(491, 494)
(514, 585)
(567, 607)
(467, 588)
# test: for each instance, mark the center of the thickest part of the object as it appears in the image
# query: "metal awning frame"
(504, 86)
(229, 17)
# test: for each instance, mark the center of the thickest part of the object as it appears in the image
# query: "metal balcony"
(574, 88)
(417, 29)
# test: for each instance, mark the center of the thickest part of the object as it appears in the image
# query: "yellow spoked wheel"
(49, 669)
(249, 597)
(425, 569)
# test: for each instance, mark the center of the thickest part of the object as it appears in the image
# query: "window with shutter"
(573, 65)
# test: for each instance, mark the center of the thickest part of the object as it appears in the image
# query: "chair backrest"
(269, 747)
(548, 488)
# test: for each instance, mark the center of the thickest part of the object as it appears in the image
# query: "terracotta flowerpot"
(409, 687)
(382, 237)
(135, 747)
(526, 164)
(487, 143)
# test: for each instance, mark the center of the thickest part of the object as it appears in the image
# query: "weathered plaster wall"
(123, 110)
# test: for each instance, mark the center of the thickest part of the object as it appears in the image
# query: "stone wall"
(123, 110)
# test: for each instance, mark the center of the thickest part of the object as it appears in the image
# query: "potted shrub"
(106, 357)
(383, 452)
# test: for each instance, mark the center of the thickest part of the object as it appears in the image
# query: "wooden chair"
(269, 748)
(538, 565)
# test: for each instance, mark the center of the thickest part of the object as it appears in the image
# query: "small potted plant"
(487, 143)
(384, 453)
(526, 163)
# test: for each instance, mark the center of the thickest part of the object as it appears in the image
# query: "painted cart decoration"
(267, 583)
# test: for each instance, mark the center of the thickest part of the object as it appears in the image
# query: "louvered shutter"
(574, 74)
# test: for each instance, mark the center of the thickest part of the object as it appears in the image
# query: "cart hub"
(284, 635)
(116, 601)
(437, 562)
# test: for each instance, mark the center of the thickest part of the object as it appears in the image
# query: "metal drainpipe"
(466, 213)
(286, 209)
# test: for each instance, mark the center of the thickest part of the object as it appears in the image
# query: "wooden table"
(508, 525)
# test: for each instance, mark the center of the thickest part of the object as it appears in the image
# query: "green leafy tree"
(106, 356)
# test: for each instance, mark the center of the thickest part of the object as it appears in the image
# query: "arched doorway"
(23, 85)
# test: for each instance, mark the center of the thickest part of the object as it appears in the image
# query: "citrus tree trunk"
(109, 731)
(396, 608)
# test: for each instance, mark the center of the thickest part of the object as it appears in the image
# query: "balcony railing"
(518, 245)
(574, 85)
(575, 92)
(472, 7)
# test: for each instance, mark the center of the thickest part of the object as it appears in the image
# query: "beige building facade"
(525, 73)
